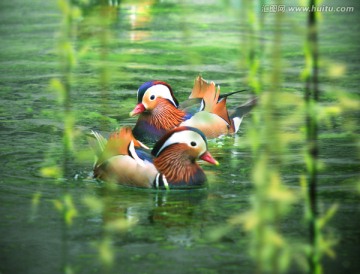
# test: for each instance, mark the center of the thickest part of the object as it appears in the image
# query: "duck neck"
(178, 167)
(165, 115)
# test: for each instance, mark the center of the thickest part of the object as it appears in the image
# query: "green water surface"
(172, 232)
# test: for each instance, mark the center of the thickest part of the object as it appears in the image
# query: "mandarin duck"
(171, 163)
(205, 109)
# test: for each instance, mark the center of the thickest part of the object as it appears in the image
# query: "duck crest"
(178, 168)
(209, 93)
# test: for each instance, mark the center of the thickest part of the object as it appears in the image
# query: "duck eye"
(193, 144)
(152, 97)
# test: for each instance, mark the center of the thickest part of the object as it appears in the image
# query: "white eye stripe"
(160, 91)
(185, 137)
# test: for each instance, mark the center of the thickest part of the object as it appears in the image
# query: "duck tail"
(238, 114)
(225, 95)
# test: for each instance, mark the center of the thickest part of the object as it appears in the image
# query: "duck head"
(150, 94)
(175, 156)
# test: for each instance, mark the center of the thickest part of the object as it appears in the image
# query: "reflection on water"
(139, 18)
(178, 213)
(157, 231)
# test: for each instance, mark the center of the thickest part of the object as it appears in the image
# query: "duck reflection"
(169, 217)
(180, 214)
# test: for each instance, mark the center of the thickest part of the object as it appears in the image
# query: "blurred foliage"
(270, 140)
(86, 43)
(66, 207)
(92, 21)
(272, 199)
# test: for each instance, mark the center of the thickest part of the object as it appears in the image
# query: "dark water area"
(160, 232)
